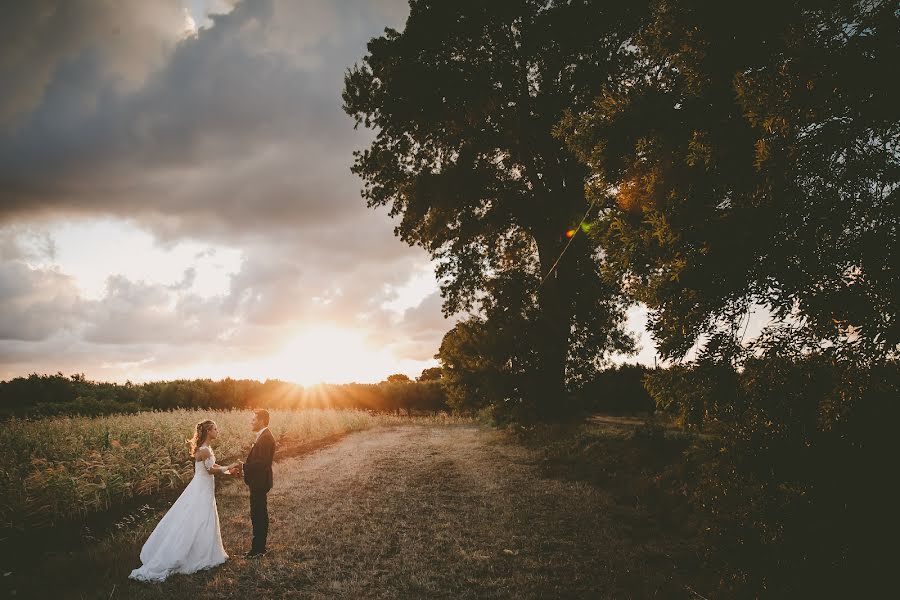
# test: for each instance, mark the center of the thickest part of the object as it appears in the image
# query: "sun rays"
(326, 354)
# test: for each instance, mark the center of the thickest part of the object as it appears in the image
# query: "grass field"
(58, 469)
(430, 508)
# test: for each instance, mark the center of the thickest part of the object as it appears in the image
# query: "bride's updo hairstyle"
(202, 430)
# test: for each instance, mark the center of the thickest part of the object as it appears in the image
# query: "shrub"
(619, 390)
(793, 480)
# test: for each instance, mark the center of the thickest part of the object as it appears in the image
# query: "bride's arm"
(214, 469)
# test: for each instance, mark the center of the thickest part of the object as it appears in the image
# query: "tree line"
(47, 395)
(37, 396)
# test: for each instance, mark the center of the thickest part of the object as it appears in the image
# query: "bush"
(793, 482)
(619, 390)
(695, 395)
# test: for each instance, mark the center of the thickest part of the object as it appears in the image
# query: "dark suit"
(258, 477)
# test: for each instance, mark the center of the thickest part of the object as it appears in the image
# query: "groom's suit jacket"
(258, 466)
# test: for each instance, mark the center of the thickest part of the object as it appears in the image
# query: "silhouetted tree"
(43, 395)
(430, 374)
(464, 101)
(398, 378)
(751, 154)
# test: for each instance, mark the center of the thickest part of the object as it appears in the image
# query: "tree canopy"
(464, 101)
(751, 155)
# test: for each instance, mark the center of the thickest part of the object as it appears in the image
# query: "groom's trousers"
(259, 517)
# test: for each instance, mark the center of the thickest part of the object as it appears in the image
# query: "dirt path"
(411, 512)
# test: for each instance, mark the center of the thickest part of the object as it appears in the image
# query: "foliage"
(58, 394)
(464, 101)
(87, 406)
(793, 475)
(398, 378)
(487, 366)
(750, 154)
(413, 397)
(618, 390)
(46, 395)
(695, 394)
(430, 374)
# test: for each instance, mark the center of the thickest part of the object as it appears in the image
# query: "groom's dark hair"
(263, 416)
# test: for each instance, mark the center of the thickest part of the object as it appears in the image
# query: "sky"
(176, 198)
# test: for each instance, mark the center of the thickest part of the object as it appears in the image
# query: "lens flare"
(570, 233)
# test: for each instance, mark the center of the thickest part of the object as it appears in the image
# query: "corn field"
(57, 469)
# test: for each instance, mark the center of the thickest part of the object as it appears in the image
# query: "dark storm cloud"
(240, 128)
(39, 37)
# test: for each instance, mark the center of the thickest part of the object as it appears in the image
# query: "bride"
(188, 538)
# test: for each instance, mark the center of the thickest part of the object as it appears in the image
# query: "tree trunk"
(563, 190)
(555, 331)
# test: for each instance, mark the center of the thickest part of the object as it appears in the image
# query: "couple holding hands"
(188, 538)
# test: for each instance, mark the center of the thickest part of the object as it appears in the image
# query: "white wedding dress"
(188, 538)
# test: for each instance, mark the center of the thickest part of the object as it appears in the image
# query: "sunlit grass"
(56, 469)
(419, 512)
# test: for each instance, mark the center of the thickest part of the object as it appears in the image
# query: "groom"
(257, 471)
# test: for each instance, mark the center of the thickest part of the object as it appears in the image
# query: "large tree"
(754, 158)
(464, 102)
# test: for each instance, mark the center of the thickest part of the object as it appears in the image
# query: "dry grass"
(407, 511)
(52, 470)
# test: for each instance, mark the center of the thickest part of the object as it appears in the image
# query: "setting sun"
(327, 354)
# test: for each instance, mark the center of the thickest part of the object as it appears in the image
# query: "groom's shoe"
(255, 554)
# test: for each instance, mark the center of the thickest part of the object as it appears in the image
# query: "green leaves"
(754, 158)
(465, 100)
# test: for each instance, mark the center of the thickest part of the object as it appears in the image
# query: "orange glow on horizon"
(326, 354)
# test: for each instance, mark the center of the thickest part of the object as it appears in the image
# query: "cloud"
(26, 244)
(39, 38)
(35, 303)
(138, 312)
(238, 131)
(138, 327)
(229, 132)
(417, 333)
